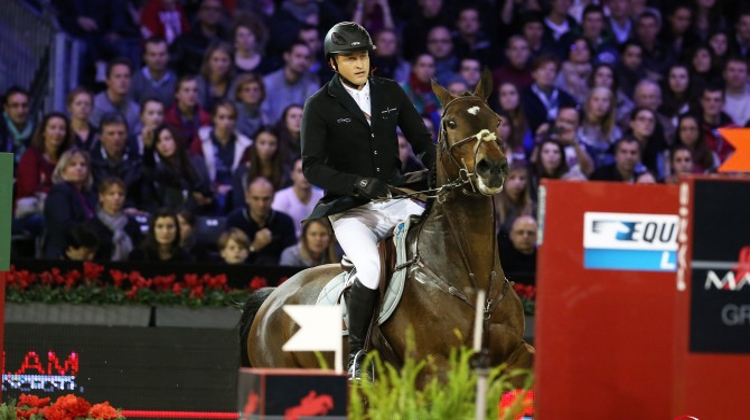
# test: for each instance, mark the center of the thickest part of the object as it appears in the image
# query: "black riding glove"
(371, 188)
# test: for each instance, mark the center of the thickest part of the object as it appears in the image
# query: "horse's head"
(469, 145)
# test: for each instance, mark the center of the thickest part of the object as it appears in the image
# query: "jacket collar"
(337, 91)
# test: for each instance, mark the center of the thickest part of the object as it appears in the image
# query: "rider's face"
(354, 67)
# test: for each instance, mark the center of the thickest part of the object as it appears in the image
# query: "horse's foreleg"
(437, 367)
(522, 358)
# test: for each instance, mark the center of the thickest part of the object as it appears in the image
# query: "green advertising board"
(6, 202)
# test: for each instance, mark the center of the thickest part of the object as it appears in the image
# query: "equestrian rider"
(350, 149)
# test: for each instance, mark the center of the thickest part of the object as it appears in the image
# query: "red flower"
(177, 289)
(57, 278)
(32, 401)
(53, 412)
(192, 280)
(72, 278)
(257, 282)
(74, 406)
(46, 278)
(92, 271)
(104, 411)
(163, 283)
(525, 291)
(118, 277)
(217, 282)
(197, 292)
(138, 281)
(132, 293)
(20, 280)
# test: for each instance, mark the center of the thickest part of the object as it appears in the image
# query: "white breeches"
(358, 231)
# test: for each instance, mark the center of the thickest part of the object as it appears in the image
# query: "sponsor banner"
(720, 268)
(630, 241)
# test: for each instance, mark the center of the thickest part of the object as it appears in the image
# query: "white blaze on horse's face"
(473, 110)
(486, 135)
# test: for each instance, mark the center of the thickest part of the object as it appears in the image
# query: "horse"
(452, 252)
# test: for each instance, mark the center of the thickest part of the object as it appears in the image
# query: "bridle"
(465, 176)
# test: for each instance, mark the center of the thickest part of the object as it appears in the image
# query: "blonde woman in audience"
(316, 247)
(598, 130)
(70, 200)
(604, 75)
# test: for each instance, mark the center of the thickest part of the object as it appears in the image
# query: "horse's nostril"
(483, 167)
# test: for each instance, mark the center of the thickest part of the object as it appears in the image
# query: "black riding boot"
(360, 306)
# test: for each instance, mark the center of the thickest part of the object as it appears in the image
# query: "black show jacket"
(338, 145)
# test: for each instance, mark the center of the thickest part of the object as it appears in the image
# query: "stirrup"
(354, 370)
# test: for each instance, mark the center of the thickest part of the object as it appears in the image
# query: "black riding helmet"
(346, 37)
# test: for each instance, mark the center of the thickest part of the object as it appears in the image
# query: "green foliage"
(8, 410)
(394, 394)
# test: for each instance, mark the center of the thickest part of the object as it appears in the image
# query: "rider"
(350, 149)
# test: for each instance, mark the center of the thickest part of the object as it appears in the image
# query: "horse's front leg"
(520, 364)
(437, 367)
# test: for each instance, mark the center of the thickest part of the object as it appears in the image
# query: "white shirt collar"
(361, 97)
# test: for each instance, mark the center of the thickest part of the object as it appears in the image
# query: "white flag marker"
(319, 330)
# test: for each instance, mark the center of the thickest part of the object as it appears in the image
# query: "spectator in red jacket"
(164, 18)
(34, 178)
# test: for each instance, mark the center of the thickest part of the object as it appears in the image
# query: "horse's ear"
(484, 87)
(443, 95)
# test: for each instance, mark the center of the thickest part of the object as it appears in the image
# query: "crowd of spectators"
(190, 109)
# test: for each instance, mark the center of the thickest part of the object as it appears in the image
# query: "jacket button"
(372, 135)
(377, 169)
(375, 152)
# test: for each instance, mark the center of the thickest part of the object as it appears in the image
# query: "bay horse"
(453, 253)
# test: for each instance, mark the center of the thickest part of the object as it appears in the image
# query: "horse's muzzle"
(492, 172)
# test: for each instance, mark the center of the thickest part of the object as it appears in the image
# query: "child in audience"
(81, 243)
(234, 246)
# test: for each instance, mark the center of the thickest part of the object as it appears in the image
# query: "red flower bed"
(88, 286)
(67, 407)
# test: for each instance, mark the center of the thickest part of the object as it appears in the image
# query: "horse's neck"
(461, 223)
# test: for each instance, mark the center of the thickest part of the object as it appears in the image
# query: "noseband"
(464, 175)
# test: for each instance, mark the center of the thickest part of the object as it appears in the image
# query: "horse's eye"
(451, 124)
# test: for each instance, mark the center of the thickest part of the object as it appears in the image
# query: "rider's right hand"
(371, 188)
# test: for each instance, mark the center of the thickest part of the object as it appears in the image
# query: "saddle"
(393, 258)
